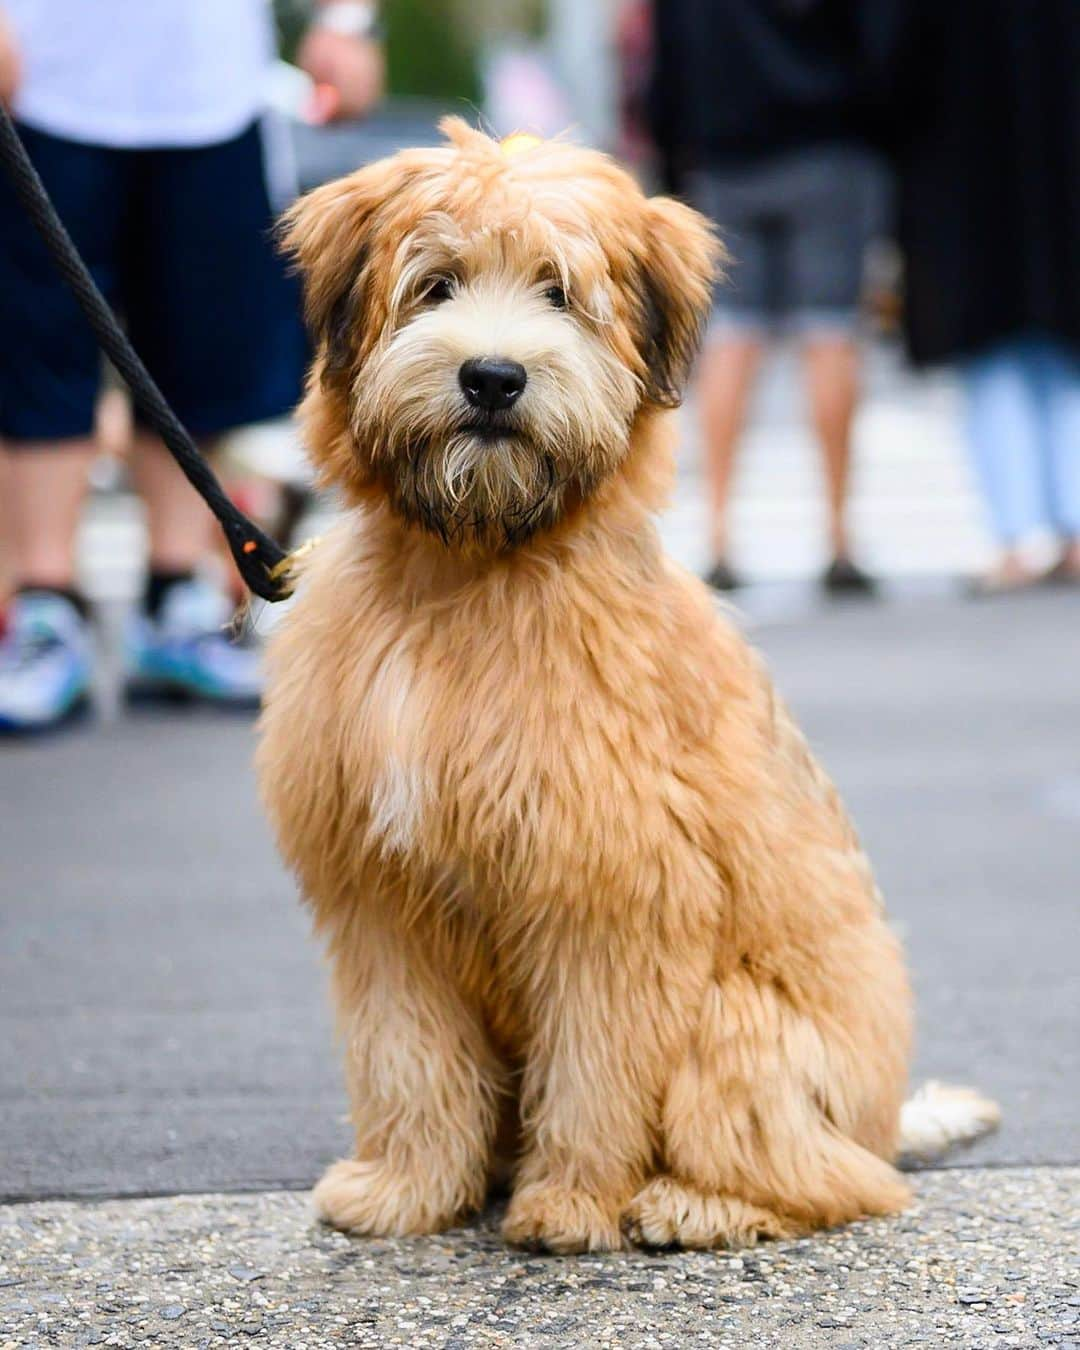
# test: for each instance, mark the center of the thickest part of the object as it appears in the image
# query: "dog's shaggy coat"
(594, 911)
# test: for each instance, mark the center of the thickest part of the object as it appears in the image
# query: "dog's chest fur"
(479, 744)
(521, 737)
(401, 791)
(446, 754)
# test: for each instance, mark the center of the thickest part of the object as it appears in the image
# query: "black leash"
(262, 563)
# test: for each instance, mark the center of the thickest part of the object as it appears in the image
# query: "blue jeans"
(1023, 426)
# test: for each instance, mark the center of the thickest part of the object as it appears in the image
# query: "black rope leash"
(262, 563)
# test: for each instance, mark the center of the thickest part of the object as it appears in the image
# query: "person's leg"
(178, 643)
(7, 568)
(726, 379)
(1003, 428)
(1059, 379)
(49, 375)
(735, 341)
(832, 383)
(46, 650)
(178, 522)
(232, 353)
(46, 484)
(50, 365)
(830, 198)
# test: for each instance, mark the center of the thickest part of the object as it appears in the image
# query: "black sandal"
(843, 577)
(721, 577)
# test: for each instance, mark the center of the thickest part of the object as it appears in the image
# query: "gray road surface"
(162, 1006)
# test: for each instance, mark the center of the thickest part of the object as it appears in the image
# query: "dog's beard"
(483, 483)
(492, 479)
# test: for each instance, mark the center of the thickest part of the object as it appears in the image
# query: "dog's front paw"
(665, 1213)
(560, 1219)
(370, 1199)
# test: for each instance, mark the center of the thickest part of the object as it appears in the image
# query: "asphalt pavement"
(984, 1259)
(165, 1026)
(165, 1029)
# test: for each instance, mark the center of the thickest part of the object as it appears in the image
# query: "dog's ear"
(326, 233)
(681, 259)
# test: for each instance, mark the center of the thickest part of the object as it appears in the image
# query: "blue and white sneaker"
(187, 651)
(46, 663)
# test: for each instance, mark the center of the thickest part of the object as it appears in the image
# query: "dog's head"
(490, 319)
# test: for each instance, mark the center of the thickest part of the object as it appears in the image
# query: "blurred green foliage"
(429, 51)
(431, 45)
(292, 18)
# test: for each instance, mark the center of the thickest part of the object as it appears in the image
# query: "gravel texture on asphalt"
(984, 1258)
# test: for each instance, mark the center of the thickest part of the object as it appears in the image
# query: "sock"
(72, 596)
(157, 587)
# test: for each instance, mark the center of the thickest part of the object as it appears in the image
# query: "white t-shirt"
(144, 73)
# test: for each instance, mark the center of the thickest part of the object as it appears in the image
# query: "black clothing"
(984, 131)
(734, 80)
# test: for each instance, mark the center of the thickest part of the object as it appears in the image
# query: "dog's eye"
(556, 296)
(441, 288)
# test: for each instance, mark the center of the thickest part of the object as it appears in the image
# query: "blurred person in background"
(759, 117)
(986, 128)
(143, 121)
(634, 69)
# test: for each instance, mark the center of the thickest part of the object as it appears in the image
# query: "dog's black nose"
(490, 382)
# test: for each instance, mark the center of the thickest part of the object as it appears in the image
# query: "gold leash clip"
(282, 569)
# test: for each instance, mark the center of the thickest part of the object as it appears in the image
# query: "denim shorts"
(796, 226)
(179, 240)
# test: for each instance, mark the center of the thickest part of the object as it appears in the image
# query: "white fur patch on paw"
(939, 1115)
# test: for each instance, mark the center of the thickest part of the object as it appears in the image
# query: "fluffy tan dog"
(593, 909)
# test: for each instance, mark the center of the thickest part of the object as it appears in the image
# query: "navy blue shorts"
(179, 241)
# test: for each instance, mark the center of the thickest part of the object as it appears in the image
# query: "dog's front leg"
(589, 1089)
(423, 1081)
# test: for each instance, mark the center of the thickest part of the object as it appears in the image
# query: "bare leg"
(178, 521)
(728, 368)
(7, 561)
(46, 486)
(832, 377)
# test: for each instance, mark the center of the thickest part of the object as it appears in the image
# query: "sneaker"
(46, 663)
(188, 652)
(843, 577)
